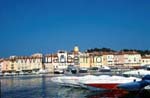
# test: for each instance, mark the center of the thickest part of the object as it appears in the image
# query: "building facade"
(62, 59)
(132, 59)
(145, 60)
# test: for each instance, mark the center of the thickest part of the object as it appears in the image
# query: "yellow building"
(84, 60)
(107, 58)
(90, 59)
(145, 60)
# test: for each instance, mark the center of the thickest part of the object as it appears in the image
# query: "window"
(21, 61)
(129, 60)
(33, 60)
(12, 66)
(62, 58)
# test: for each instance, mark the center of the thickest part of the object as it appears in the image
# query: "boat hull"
(103, 85)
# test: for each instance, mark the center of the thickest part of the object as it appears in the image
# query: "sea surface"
(42, 87)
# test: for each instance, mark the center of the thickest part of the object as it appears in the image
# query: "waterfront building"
(6, 66)
(84, 60)
(21, 64)
(62, 59)
(119, 59)
(132, 59)
(28, 63)
(108, 58)
(145, 60)
(96, 59)
(49, 62)
(70, 58)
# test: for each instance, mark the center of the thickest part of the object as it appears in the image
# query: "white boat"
(144, 83)
(42, 71)
(140, 72)
(7, 74)
(83, 70)
(74, 81)
(58, 71)
(104, 69)
(109, 82)
(101, 82)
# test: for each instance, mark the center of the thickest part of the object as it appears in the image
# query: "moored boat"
(109, 82)
(74, 81)
(91, 81)
(140, 72)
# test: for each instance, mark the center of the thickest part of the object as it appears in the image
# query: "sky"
(45, 26)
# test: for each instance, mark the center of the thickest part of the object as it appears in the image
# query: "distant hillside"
(142, 52)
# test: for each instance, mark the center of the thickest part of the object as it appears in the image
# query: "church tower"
(76, 50)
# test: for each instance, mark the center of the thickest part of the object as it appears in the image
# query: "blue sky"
(30, 26)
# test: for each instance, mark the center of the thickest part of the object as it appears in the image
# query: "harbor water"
(40, 86)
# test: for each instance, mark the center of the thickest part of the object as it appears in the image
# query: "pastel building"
(50, 62)
(145, 60)
(94, 59)
(132, 59)
(119, 59)
(28, 63)
(62, 59)
(108, 58)
(84, 60)
(21, 63)
(6, 66)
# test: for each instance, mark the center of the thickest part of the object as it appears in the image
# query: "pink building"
(119, 59)
(6, 65)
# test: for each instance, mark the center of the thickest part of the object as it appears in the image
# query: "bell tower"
(76, 50)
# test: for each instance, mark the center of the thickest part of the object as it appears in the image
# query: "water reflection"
(108, 94)
(42, 87)
(119, 94)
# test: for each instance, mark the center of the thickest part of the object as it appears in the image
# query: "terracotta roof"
(128, 52)
(107, 53)
(145, 57)
(25, 57)
(101, 53)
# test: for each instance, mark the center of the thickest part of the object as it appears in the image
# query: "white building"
(62, 59)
